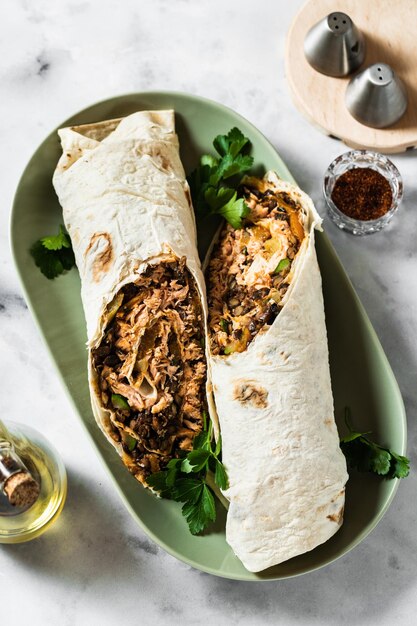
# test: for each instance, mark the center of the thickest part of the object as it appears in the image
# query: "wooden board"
(388, 27)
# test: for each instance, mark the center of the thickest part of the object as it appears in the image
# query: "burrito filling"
(250, 268)
(151, 367)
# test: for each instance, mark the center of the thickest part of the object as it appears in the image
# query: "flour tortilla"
(280, 444)
(126, 204)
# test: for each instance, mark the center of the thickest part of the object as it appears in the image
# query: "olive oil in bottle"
(33, 483)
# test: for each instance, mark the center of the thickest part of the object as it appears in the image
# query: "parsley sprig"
(53, 254)
(367, 456)
(186, 480)
(209, 191)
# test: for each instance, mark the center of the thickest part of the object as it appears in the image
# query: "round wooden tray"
(390, 38)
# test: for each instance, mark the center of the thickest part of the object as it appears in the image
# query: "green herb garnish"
(282, 265)
(119, 402)
(186, 480)
(208, 189)
(367, 456)
(53, 255)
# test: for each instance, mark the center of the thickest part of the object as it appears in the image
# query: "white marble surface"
(95, 564)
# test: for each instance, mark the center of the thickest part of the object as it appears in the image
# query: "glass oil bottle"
(33, 483)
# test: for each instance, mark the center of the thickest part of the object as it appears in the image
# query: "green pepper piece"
(119, 402)
(282, 265)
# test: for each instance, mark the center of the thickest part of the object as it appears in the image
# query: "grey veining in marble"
(95, 565)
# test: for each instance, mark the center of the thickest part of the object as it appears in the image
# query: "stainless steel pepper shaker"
(376, 97)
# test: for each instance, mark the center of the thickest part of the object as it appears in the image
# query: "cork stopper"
(21, 489)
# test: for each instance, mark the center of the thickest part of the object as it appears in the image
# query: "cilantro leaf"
(367, 456)
(53, 254)
(234, 211)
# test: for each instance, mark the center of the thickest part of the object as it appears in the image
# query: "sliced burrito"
(271, 380)
(127, 208)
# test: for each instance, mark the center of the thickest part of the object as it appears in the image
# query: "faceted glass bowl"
(362, 158)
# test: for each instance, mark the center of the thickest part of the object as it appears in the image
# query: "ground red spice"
(362, 193)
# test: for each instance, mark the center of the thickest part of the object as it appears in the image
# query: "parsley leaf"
(189, 479)
(158, 482)
(187, 489)
(209, 193)
(220, 476)
(211, 161)
(232, 143)
(367, 456)
(234, 211)
(196, 460)
(230, 166)
(53, 254)
(400, 466)
(380, 462)
(217, 198)
(201, 512)
(56, 242)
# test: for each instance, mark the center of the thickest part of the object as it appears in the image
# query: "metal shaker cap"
(376, 97)
(334, 46)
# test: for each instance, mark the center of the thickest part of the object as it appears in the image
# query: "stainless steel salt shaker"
(335, 46)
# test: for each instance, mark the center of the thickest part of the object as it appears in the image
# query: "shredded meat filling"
(151, 366)
(250, 268)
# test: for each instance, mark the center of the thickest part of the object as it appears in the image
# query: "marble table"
(95, 565)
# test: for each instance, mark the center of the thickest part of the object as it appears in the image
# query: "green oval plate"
(361, 375)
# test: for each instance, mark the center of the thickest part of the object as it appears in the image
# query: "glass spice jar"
(366, 195)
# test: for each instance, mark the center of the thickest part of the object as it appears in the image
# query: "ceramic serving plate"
(361, 375)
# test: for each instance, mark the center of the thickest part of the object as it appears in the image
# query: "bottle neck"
(10, 461)
(4, 433)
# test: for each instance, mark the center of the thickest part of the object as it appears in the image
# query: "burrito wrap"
(127, 208)
(280, 445)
